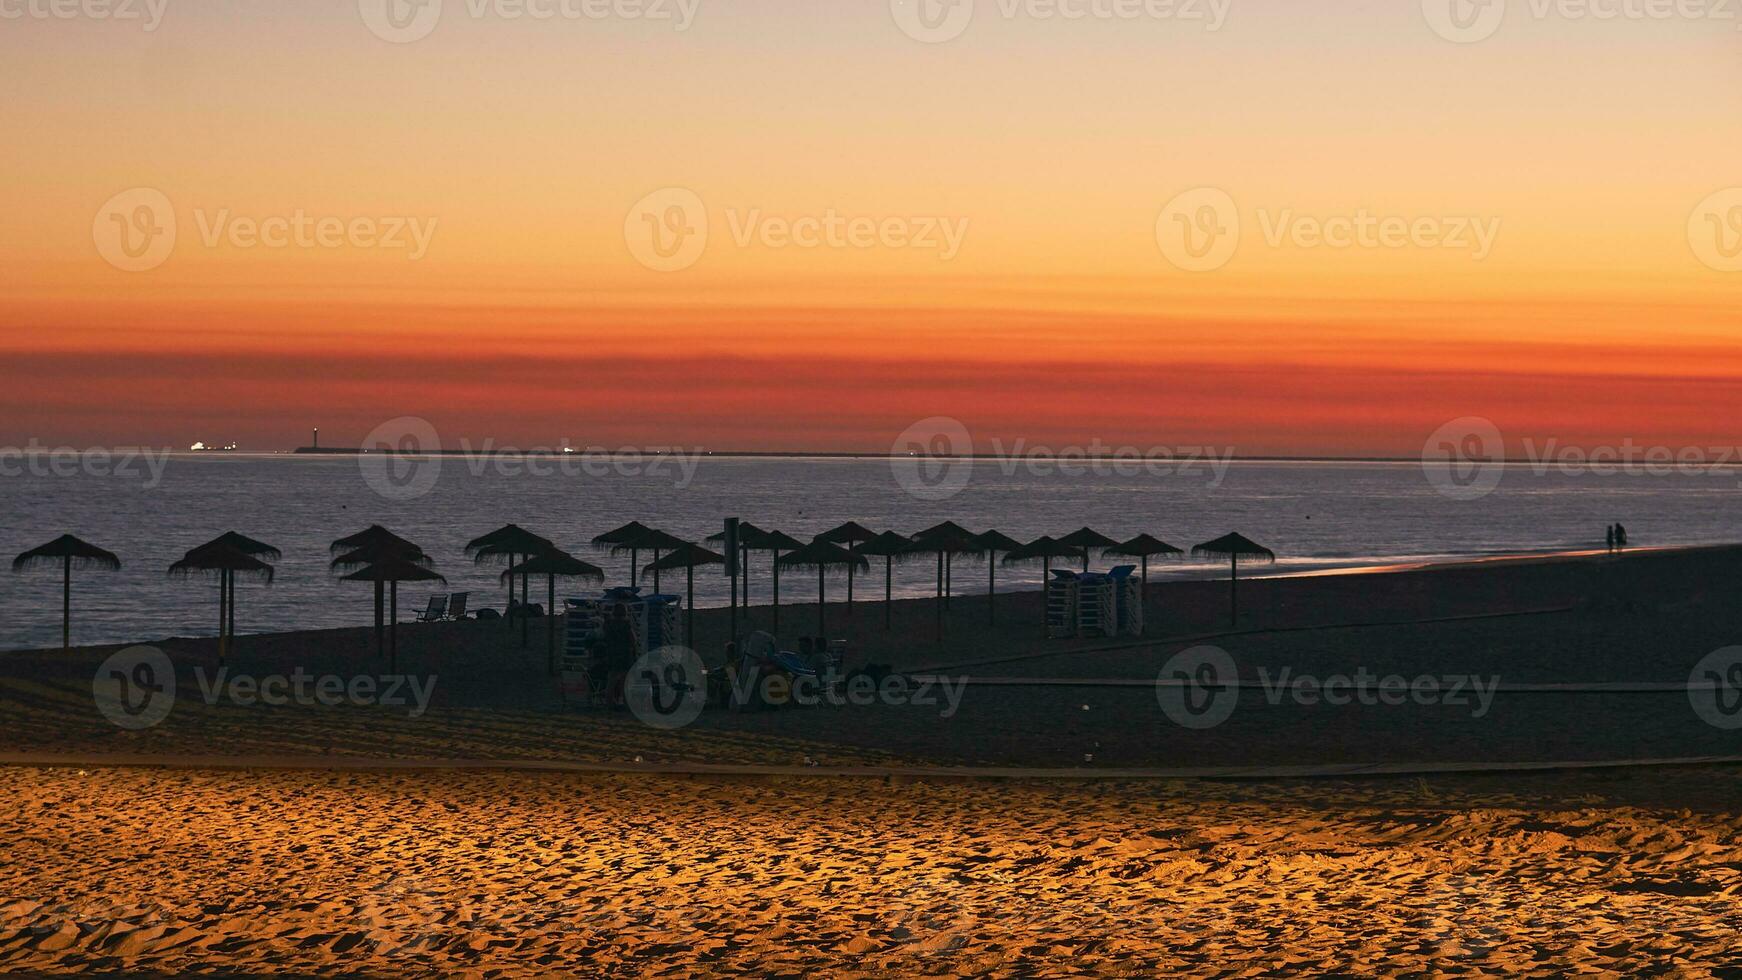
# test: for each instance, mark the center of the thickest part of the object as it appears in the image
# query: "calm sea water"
(1314, 515)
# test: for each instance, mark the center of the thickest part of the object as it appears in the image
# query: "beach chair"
(438, 609)
(457, 605)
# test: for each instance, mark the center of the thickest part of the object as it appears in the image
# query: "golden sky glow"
(522, 147)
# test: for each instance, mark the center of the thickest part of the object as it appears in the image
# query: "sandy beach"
(532, 875)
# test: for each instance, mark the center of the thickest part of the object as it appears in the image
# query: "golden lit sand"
(523, 874)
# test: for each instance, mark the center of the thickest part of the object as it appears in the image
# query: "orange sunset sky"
(525, 147)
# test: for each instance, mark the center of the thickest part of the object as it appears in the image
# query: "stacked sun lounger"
(1061, 605)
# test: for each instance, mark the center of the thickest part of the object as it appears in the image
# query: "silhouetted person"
(1620, 536)
(1609, 538)
(617, 649)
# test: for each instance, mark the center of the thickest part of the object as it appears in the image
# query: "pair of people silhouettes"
(1617, 537)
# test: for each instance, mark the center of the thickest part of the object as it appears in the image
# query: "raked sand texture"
(490, 874)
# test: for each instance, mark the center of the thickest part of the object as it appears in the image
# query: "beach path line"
(1168, 641)
(718, 770)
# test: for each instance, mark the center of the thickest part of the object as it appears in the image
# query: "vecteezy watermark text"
(300, 687)
(669, 229)
(935, 458)
(147, 13)
(36, 459)
(402, 459)
(1201, 230)
(1200, 688)
(406, 21)
(937, 21)
(1467, 459)
(1473, 21)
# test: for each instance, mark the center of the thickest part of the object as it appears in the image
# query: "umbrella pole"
(525, 613)
(550, 643)
(689, 630)
(223, 609)
(888, 592)
(66, 604)
(938, 602)
(393, 651)
(1234, 590)
(656, 571)
(1045, 583)
(991, 587)
(822, 630)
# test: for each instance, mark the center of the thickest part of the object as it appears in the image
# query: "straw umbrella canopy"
(1234, 547)
(774, 542)
(850, 535)
(392, 570)
(1144, 547)
(623, 535)
(247, 546)
(68, 553)
(224, 563)
(1046, 550)
(889, 546)
(994, 542)
(655, 541)
(377, 549)
(554, 565)
(371, 537)
(1089, 540)
(688, 558)
(510, 544)
(946, 541)
(825, 558)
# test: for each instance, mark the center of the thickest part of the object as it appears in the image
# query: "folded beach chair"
(438, 608)
(457, 605)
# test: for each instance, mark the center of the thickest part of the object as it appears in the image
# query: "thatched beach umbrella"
(223, 563)
(554, 565)
(510, 545)
(1145, 547)
(888, 546)
(378, 549)
(68, 553)
(688, 558)
(1234, 547)
(623, 535)
(1045, 550)
(391, 571)
(372, 536)
(850, 536)
(994, 542)
(824, 557)
(946, 540)
(247, 546)
(775, 542)
(1089, 540)
(655, 541)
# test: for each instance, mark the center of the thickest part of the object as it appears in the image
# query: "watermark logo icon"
(1715, 689)
(933, 458)
(1465, 458)
(1465, 21)
(667, 231)
(135, 230)
(932, 21)
(1199, 230)
(1198, 688)
(1715, 230)
(135, 688)
(401, 459)
(401, 21)
(667, 688)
